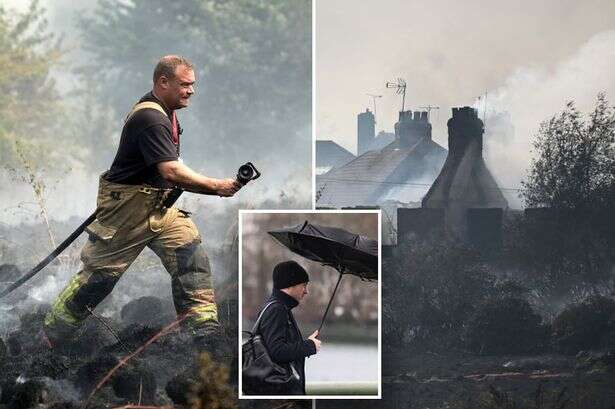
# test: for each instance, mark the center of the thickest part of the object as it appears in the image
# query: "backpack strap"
(258, 320)
(145, 105)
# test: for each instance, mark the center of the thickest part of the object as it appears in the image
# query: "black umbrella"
(346, 252)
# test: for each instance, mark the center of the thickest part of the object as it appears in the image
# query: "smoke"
(413, 190)
(450, 52)
(533, 94)
(285, 166)
(70, 195)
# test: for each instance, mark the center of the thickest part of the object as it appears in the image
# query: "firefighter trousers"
(129, 218)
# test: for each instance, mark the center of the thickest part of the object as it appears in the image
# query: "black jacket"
(283, 338)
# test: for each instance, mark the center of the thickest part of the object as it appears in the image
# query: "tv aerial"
(429, 108)
(373, 97)
(400, 89)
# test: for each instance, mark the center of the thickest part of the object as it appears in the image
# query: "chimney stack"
(366, 131)
(465, 129)
(465, 188)
(411, 128)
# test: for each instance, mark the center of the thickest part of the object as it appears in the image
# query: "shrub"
(212, 390)
(505, 326)
(434, 287)
(584, 326)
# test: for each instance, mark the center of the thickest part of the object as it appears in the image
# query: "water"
(343, 363)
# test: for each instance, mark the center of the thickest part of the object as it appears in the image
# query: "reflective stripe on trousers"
(128, 220)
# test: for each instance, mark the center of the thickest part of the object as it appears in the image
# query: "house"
(401, 171)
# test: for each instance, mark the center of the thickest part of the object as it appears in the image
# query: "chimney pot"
(468, 112)
(411, 128)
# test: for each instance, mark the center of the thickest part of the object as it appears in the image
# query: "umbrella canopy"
(347, 252)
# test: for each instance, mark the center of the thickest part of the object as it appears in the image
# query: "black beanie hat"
(289, 273)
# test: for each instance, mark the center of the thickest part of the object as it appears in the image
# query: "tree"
(575, 163)
(568, 241)
(28, 107)
(252, 62)
(30, 114)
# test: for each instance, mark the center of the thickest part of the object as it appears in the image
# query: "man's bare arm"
(184, 177)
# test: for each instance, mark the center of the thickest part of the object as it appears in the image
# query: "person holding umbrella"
(278, 328)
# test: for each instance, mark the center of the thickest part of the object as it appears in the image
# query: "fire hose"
(245, 174)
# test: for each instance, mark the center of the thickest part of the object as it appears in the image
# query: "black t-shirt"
(146, 140)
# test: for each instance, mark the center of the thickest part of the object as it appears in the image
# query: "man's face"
(298, 291)
(180, 89)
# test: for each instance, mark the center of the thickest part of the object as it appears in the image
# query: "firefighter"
(130, 215)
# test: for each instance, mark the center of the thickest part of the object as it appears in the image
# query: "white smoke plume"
(534, 94)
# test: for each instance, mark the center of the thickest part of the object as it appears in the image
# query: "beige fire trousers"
(128, 218)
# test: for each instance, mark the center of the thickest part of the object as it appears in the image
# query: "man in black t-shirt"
(147, 139)
(130, 216)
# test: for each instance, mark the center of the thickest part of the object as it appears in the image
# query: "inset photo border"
(310, 269)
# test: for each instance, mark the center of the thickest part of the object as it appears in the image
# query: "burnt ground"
(32, 375)
(458, 380)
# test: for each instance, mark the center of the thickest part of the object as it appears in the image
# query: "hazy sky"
(530, 57)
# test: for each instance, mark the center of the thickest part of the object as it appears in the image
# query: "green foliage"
(575, 163)
(31, 116)
(505, 326)
(568, 243)
(584, 325)
(28, 101)
(212, 391)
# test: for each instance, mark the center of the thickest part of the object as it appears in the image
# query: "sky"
(528, 58)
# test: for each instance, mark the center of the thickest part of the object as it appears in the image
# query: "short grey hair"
(168, 64)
